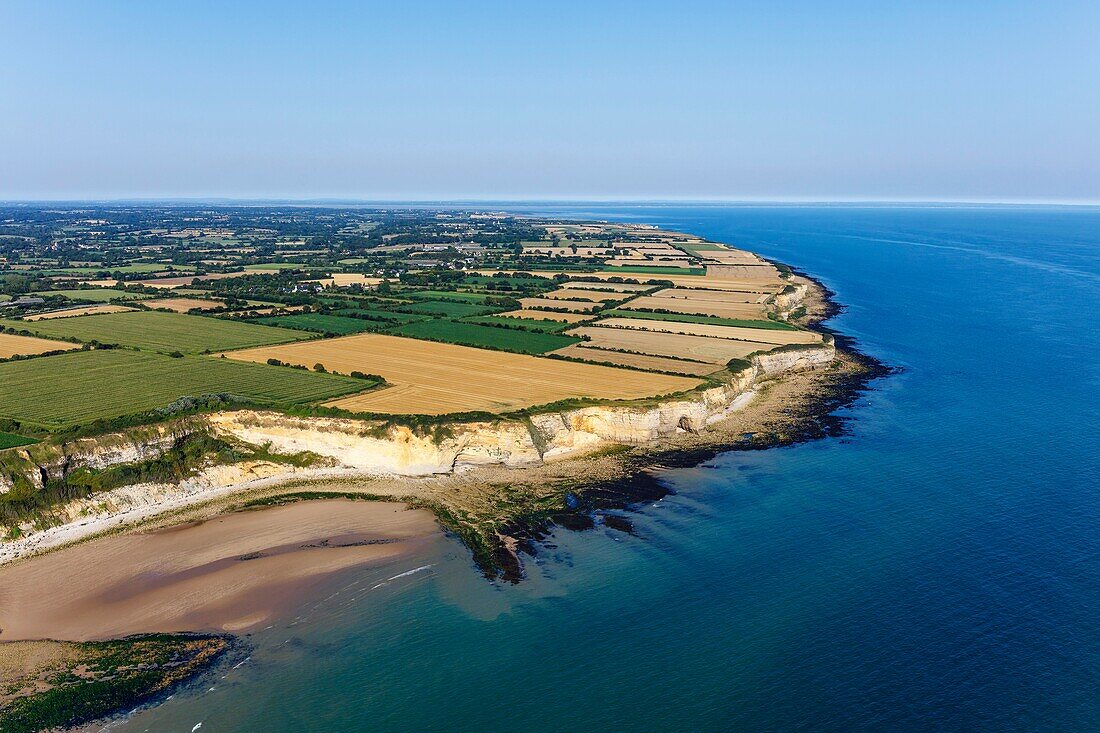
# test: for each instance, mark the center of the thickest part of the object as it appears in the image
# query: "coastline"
(794, 406)
(505, 511)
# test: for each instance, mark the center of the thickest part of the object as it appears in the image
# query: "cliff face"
(358, 447)
(35, 465)
(791, 298)
(512, 444)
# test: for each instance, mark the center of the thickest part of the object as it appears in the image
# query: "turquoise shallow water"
(936, 569)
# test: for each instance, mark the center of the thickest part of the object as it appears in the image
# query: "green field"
(11, 440)
(81, 386)
(380, 315)
(160, 331)
(528, 324)
(95, 295)
(449, 295)
(321, 323)
(542, 283)
(473, 334)
(141, 267)
(688, 318)
(278, 266)
(441, 308)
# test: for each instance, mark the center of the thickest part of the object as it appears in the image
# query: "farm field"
(777, 338)
(433, 378)
(89, 310)
(609, 286)
(574, 306)
(321, 323)
(159, 331)
(545, 315)
(512, 280)
(343, 279)
(474, 334)
(77, 388)
(655, 270)
(286, 265)
(713, 282)
(690, 318)
(182, 305)
(638, 361)
(448, 295)
(769, 285)
(701, 246)
(95, 295)
(749, 311)
(263, 310)
(12, 345)
(11, 440)
(381, 315)
(758, 272)
(132, 269)
(531, 324)
(446, 308)
(724, 297)
(599, 296)
(169, 283)
(702, 348)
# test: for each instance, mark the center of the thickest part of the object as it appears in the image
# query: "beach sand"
(229, 573)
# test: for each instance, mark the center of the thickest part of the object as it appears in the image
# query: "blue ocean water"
(936, 569)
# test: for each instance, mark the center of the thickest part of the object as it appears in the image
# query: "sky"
(799, 100)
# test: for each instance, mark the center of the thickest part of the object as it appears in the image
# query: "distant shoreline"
(289, 558)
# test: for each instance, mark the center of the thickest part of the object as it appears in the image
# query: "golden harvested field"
(609, 286)
(432, 378)
(763, 335)
(749, 311)
(580, 294)
(89, 310)
(773, 285)
(728, 256)
(11, 345)
(638, 361)
(651, 260)
(575, 306)
(182, 305)
(343, 279)
(720, 283)
(751, 273)
(711, 296)
(546, 316)
(702, 348)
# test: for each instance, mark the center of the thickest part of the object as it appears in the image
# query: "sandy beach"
(230, 573)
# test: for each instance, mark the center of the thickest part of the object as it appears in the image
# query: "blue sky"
(583, 100)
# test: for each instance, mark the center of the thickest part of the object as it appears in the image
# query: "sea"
(936, 568)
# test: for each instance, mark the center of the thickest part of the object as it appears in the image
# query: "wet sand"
(230, 573)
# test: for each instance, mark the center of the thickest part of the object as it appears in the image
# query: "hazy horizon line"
(543, 200)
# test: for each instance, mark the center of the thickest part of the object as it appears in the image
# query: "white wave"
(402, 575)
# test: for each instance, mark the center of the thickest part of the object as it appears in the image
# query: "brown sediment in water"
(228, 573)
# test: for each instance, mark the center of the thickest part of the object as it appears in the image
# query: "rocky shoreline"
(575, 493)
(598, 502)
